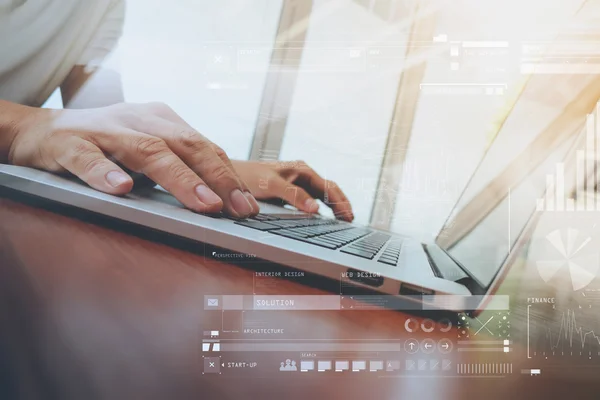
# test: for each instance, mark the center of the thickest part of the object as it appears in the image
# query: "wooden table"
(89, 312)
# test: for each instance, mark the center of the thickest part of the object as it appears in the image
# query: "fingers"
(88, 163)
(295, 196)
(187, 167)
(221, 153)
(153, 157)
(339, 202)
(199, 154)
(178, 126)
(328, 191)
(170, 153)
(212, 164)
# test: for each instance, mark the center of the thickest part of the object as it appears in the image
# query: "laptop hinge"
(432, 263)
(445, 266)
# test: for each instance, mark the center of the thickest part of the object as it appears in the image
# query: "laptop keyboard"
(330, 234)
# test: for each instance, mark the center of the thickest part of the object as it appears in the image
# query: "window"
(468, 89)
(185, 53)
(344, 96)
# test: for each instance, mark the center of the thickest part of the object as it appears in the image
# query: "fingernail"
(311, 205)
(253, 202)
(240, 203)
(206, 195)
(117, 178)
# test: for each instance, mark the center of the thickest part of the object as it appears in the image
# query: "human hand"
(296, 183)
(146, 138)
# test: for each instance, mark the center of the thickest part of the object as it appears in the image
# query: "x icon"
(211, 364)
(484, 325)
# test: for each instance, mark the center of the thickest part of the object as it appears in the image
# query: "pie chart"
(569, 248)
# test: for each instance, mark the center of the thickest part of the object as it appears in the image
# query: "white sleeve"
(106, 37)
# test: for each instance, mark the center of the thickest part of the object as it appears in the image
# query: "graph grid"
(586, 159)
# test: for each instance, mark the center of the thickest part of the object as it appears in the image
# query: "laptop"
(467, 261)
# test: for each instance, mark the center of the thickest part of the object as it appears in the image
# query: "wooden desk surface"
(88, 312)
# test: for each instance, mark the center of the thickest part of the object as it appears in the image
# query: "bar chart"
(585, 199)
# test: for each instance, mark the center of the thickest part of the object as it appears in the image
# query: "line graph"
(569, 329)
(572, 338)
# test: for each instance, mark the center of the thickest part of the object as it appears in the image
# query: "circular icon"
(445, 325)
(445, 346)
(565, 249)
(428, 346)
(411, 325)
(427, 325)
(411, 346)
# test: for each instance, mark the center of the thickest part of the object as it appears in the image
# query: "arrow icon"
(411, 345)
(445, 346)
(427, 345)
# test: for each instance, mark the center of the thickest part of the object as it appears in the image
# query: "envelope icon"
(213, 302)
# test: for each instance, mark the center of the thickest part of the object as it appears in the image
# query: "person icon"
(289, 365)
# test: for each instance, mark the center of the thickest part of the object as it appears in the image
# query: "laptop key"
(388, 262)
(364, 247)
(350, 235)
(338, 242)
(321, 243)
(332, 239)
(261, 226)
(262, 217)
(322, 240)
(359, 253)
(290, 234)
(291, 216)
(285, 224)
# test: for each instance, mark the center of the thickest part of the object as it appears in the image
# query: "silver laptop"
(468, 259)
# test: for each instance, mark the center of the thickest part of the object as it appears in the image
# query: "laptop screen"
(506, 189)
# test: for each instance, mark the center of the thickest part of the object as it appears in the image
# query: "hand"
(146, 138)
(296, 183)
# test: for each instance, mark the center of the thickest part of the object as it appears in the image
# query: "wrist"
(14, 119)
